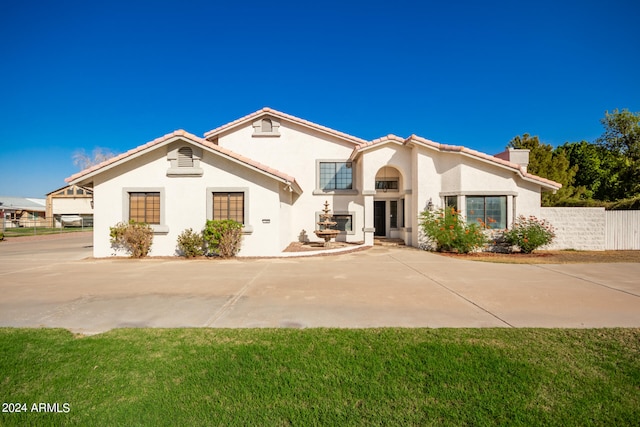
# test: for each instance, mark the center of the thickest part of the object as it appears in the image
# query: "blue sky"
(84, 74)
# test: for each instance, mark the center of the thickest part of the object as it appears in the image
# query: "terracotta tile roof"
(359, 146)
(195, 139)
(453, 149)
(281, 115)
(381, 140)
(486, 157)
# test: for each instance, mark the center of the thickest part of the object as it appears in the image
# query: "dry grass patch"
(552, 257)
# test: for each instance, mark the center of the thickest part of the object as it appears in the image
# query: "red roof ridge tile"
(193, 138)
(481, 155)
(280, 114)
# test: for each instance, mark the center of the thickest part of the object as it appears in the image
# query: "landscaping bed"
(318, 246)
(551, 257)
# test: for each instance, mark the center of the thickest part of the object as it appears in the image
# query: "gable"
(175, 142)
(255, 120)
(489, 162)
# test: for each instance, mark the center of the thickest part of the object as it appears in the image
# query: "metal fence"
(622, 230)
(39, 226)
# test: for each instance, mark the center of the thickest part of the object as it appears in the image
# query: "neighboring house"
(273, 172)
(22, 212)
(70, 206)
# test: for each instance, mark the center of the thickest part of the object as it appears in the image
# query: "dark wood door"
(379, 217)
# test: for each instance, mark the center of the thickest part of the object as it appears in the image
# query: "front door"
(379, 217)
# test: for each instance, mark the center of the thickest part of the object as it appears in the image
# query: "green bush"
(223, 237)
(632, 203)
(1, 236)
(449, 233)
(529, 233)
(135, 237)
(190, 243)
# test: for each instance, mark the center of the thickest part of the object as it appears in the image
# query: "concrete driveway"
(55, 283)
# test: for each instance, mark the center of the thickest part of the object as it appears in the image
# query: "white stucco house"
(273, 172)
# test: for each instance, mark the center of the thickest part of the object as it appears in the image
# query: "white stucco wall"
(577, 228)
(184, 201)
(274, 215)
(440, 174)
(296, 152)
(390, 160)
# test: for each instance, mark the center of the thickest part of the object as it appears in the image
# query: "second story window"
(336, 176)
(387, 184)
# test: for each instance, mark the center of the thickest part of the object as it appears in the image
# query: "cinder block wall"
(577, 228)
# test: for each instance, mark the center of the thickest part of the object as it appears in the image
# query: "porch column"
(511, 210)
(368, 229)
(409, 220)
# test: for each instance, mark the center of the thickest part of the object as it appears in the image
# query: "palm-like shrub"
(448, 232)
(530, 233)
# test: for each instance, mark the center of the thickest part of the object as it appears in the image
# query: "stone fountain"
(326, 232)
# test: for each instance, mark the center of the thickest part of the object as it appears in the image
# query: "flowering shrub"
(223, 237)
(191, 244)
(135, 237)
(529, 233)
(448, 231)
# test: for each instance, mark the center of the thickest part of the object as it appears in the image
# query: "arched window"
(185, 160)
(185, 157)
(266, 126)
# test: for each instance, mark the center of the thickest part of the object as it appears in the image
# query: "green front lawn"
(333, 377)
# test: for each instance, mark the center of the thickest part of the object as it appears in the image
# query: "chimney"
(519, 156)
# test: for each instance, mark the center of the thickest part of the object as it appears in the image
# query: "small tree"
(223, 237)
(84, 160)
(448, 231)
(190, 243)
(529, 233)
(134, 237)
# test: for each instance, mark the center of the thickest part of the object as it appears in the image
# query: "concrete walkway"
(53, 283)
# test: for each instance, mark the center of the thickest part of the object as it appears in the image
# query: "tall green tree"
(598, 169)
(548, 163)
(622, 138)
